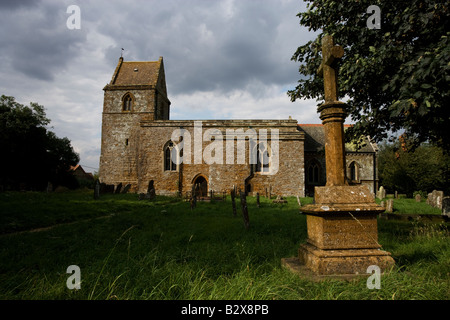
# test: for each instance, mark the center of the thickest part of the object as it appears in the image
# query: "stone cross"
(332, 114)
(330, 53)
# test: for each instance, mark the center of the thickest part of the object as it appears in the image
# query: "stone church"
(140, 143)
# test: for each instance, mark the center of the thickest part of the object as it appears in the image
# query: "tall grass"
(164, 250)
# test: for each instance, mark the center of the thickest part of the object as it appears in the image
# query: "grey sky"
(224, 59)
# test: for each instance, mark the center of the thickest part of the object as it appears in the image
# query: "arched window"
(169, 150)
(127, 102)
(262, 158)
(314, 172)
(354, 172)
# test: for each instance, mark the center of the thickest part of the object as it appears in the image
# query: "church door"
(201, 186)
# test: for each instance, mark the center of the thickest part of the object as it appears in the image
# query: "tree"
(396, 78)
(31, 155)
(424, 169)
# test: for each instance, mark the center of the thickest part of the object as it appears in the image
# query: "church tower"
(137, 91)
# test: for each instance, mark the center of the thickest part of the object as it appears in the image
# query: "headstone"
(244, 210)
(298, 201)
(446, 206)
(126, 189)
(118, 188)
(233, 201)
(279, 199)
(418, 198)
(390, 205)
(270, 192)
(151, 190)
(381, 194)
(193, 199)
(49, 187)
(439, 198)
(396, 194)
(257, 200)
(109, 188)
(435, 199)
(383, 204)
(97, 190)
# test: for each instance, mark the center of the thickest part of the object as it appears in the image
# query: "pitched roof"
(315, 139)
(136, 73)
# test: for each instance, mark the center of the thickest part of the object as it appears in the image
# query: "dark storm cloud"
(36, 41)
(15, 4)
(207, 45)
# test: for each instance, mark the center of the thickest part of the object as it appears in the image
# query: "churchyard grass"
(161, 249)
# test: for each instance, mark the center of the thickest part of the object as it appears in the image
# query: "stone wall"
(288, 180)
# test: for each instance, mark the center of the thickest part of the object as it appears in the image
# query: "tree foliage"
(31, 154)
(425, 169)
(395, 78)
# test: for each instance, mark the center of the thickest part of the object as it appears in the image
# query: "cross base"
(342, 234)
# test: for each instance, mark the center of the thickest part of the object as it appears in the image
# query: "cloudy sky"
(224, 59)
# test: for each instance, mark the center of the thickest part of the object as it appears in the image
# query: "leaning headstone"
(126, 189)
(418, 198)
(446, 206)
(244, 210)
(390, 205)
(118, 188)
(97, 190)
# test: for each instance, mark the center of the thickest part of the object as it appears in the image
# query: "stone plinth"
(342, 233)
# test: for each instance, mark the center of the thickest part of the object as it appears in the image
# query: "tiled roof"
(137, 73)
(315, 139)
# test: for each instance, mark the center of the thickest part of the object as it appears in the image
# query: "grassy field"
(130, 249)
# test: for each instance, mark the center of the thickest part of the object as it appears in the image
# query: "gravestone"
(279, 199)
(97, 190)
(193, 199)
(446, 206)
(342, 236)
(49, 187)
(390, 205)
(381, 194)
(109, 188)
(298, 201)
(118, 188)
(233, 201)
(435, 199)
(418, 198)
(257, 200)
(245, 210)
(126, 189)
(151, 190)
